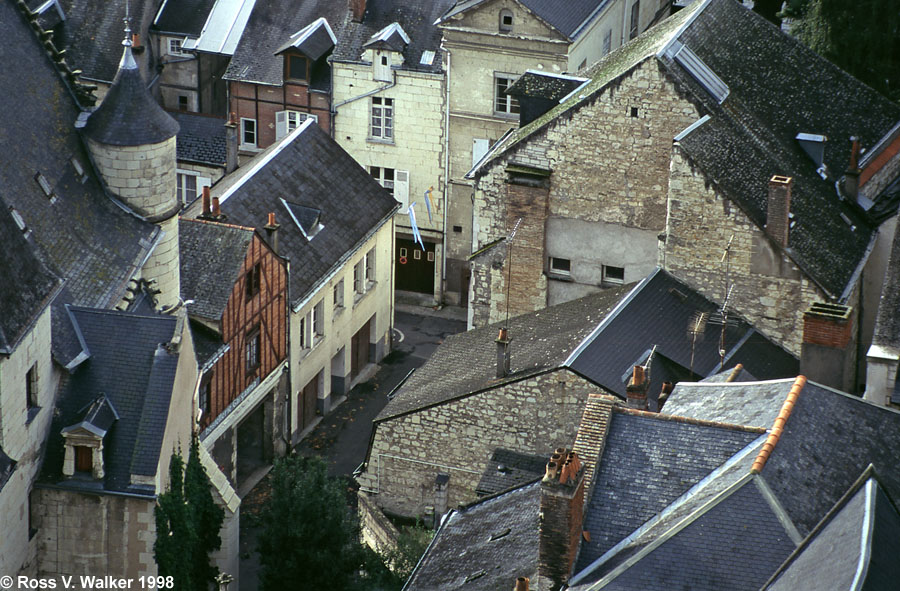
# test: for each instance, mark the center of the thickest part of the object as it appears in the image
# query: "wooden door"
(359, 350)
(306, 403)
(414, 266)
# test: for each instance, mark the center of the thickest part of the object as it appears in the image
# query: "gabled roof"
(419, 35)
(483, 546)
(314, 40)
(743, 403)
(91, 33)
(97, 417)
(656, 318)
(853, 548)
(569, 18)
(26, 285)
(211, 258)
(887, 323)
(80, 233)
(200, 139)
(466, 363)
(128, 115)
(308, 168)
(183, 17)
(271, 26)
(649, 461)
(131, 365)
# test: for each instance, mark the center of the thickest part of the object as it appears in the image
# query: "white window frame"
(318, 322)
(381, 120)
(560, 266)
(288, 121)
(249, 126)
(359, 284)
(395, 181)
(338, 296)
(370, 269)
(181, 179)
(607, 280)
(175, 45)
(508, 105)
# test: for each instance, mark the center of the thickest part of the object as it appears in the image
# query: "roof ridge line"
(778, 425)
(215, 223)
(687, 420)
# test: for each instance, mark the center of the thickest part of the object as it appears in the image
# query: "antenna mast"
(726, 258)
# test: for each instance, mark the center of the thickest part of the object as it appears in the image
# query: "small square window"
(248, 132)
(562, 266)
(253, 281)
(182, 102)
(251, 350)
(613, 275)
(506, 21)
(504, 103)
(634, 111)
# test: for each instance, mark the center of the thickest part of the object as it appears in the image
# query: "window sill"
(358, 297)
(559, 277)
(317, 340)
(249, 149)
(32, 413)
(504, 115)
(378, 140)
(612, 283)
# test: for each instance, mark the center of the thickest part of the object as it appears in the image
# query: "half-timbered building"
(235, 289)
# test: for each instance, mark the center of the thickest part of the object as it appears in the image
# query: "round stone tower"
(132, 141)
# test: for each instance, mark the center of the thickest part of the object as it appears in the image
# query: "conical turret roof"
(128, 115)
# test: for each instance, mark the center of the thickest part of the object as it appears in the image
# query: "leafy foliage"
(187, 524)
(862, 38)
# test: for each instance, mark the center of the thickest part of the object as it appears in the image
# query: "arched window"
(506, 21)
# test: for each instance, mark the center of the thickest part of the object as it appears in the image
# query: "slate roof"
(509, 469)
(842, 546)
(131, 366)
(755, 404)
(484, 546)
(82, 235)
(650, 460)
(308, 168)
(467, 362)
(658, 314)
(591, 437)
(211, 258)
(92, 33)
(207, 343)
(128, 115)
(566, 17)
(26, 285)
(887, 323)
(314, 40)
(733, 544)
(774, 88)
(271, 26)
(201, 138)
(417, 20)
(185, 17)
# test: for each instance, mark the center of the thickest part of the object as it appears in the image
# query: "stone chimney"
(636, 391)
(851, 176)
(441, 497)
(503, 341)
(562, 513)
(272, 232)
(828, 352)
(231, 144)
(779, 208)
(358, 8)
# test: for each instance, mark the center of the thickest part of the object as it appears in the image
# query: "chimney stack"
(636, 390)
(779, 208)
(562, 513)
(441, 497)
(231, 144)
(503, 341)
(521, 584)
(358, 8)
(828, 352)
(271, 229)
(216, 212)
(664, 394)
(206, 203)
(851, 176)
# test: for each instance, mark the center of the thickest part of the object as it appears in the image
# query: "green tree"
(187, 524)
(862, 38)
(308, 538)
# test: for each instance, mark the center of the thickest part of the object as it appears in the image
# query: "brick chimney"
(851, 176)
(636, 390)
(779, 208)
(272, 232)
(358, 8)
(206, 203)
(216, 211)
(828, 352)
(231, 143)
(521, 584)
(562, 513)
(503, 341)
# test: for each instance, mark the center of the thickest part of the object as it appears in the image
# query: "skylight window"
(44, 184)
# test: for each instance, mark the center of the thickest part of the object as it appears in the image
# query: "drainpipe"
(446, 172)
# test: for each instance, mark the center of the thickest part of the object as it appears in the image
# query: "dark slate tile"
(509, 469)
(185, 17)
(201, 138)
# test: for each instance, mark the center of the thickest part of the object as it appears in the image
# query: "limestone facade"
(143, 177)
(415, 153)
(603, 212)
(23, 430)
(457, 437)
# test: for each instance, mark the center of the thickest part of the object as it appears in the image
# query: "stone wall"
(87, 534)
(768, 289)
(533, 416)
(610, 166)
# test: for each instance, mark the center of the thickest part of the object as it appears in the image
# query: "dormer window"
(297, 67)
(84, 440)
(84, 461)
(506, 21)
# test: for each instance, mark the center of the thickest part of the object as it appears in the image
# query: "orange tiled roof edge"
(778, 426)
